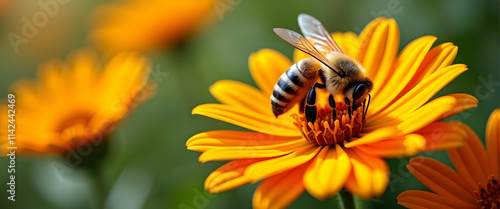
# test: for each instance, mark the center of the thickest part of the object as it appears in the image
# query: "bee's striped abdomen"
(289, 89)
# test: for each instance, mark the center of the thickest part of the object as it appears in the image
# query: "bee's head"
(358, 90)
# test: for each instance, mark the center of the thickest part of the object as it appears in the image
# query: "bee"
(341, 75)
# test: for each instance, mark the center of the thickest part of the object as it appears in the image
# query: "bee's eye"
(359, 92)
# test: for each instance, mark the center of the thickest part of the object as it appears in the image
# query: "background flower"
(75, 103)
(148, 25)
(474, 184)
(4, 4)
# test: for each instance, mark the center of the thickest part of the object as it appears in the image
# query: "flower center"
(74, 128)
(489, 197)
(77, 118)
(329, 129)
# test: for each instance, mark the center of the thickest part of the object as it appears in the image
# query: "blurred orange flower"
(3, 5)
(474, 184)
(291, 156)
(147, 25)
(74, 102)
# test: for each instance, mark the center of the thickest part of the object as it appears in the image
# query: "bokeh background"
(148, 165)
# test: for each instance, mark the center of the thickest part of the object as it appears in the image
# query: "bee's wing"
(316, 32)
(302, 44)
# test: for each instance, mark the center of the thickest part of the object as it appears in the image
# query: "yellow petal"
(28, 89)
(441, 179)
(266, 66)
(407, 145)
(229, 176)
(405, 67)
(242, 151)
(242, 96)
(369, 176)
(123, 77)
(280, 190)
(124, 71)
(436, 59)
(267, 168)
(247, 119)
(493, 140)
(48, 142)
(365, 37)
(419, 95)
(380, 53)
(347, 41)
(214, 139)
(422, 200)
(435, 136)
(441, 136)
(374, 136)
(463, 102)
(84, 64)
(426, 114)
(327, 173)
(52, 77)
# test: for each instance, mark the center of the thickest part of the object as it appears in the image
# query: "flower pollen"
(327, 130)
(489, 197)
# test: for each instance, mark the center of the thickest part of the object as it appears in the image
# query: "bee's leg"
(349, 111)
(310, 109)
(331, 101)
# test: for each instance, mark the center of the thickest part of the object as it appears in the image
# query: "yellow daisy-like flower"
(474, 184)
(75, 102)
(147, 25)
(291, 156)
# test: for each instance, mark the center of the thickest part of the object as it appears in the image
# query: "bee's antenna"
(367, 105)
(364, 102)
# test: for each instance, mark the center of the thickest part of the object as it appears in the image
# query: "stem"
(100, 192)
(346, 199)
(91, 163)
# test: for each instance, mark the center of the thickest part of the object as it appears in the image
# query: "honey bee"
(340, 74)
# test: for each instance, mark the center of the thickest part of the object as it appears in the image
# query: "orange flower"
(4, 4)
(291, 156)
(74, 103)
(147, 25)
(475, 184)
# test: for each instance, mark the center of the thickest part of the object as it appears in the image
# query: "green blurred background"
(148, 164)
